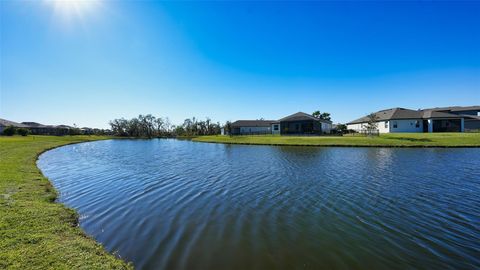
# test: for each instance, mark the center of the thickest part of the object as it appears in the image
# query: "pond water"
(171, 204)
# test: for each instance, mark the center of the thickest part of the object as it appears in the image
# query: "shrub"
(9, 131)
(74, 131)
(23, 131)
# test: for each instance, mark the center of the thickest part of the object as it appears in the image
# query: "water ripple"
(168, 204)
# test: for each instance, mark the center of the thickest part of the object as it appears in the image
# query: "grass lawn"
(384, 140)
(35, 232)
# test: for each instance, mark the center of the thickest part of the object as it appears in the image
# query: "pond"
(171, 204)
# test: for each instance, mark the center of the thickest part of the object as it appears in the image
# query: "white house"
(405, 120)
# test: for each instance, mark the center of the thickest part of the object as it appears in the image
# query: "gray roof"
(34, 125)
(63, 126)
(7, 123)
(472, 117)
(402, 113)
(436, 114)
(253, 123)
(301, 116)
(38, 125)
(456, 108)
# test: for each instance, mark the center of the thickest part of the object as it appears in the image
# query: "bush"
(74, 131)
(23, 131)
(9, 131)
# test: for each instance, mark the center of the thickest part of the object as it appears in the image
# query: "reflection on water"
(182, 205)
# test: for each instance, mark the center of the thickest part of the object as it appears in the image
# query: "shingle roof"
(402, 113)
(456, 108)
(301, 116)
(253, 123)
(34, 125)
(435, 114)
(393, 113)
(63, 126)
(472, 117)
(7, 123)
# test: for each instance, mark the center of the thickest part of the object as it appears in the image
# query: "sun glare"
(73, 9)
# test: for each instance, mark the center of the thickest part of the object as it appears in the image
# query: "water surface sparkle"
(182, 205)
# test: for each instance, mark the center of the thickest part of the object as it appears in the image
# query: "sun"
(73, 9)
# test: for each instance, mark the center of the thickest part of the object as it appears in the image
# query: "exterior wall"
(326, 127)
(356, 127)
(471, 124)
(246, 130)
(430, 125)
(276, 128)
(384, 126)
(406, 125)
(380, 126)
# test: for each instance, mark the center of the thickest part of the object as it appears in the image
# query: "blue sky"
(91, 61)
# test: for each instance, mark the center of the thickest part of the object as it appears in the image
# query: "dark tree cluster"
(149, 126)
(319, 115)
(11, 130)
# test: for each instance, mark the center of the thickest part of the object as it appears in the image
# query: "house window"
(395, 124)
(275, 127)
(417, 124)
(386, 124)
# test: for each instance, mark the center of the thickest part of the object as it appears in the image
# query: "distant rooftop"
(7, 123)
(301, 116)
(34, 124)
(402, 113)
(253, 123)
(456, 108)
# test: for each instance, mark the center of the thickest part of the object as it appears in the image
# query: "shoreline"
(398, 140)
(34, 222)
(343, 145)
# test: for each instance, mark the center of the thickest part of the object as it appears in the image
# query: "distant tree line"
(11, 130)
(24, 131)
(149, 126)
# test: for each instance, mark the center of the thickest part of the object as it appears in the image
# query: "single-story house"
(40, 129)
(37, 128)
(406, 120)
(471, 114)
(302, 123)
(87, 131)
(255, 127)
(6, 123)
(297, 123)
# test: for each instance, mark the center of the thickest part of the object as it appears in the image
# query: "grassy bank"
(35, 232)
(384, 140)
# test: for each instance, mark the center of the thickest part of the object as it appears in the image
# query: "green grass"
(384, 140)
(36, 232)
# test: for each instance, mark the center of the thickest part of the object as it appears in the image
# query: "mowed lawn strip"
(36, 232)
(384, 140)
